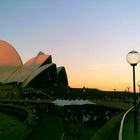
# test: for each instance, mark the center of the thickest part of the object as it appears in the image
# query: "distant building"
(39, 71)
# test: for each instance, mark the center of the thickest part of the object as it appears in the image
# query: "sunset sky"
(91, 38)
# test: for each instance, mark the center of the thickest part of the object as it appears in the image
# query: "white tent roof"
(61, 102)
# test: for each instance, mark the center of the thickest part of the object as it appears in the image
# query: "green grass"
(11, 128)
(87, 133)
(50, 128)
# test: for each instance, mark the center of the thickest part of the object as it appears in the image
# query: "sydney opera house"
(39, 71)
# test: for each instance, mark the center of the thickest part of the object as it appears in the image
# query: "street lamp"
(139, 86)
(133, 58)
(128, 88)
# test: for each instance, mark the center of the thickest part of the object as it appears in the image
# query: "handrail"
(122, 123)
(63, 134)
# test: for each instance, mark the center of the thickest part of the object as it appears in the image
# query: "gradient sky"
(91, 38)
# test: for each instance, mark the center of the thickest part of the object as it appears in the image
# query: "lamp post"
(133, 58)
(139, 86)
(128, 88)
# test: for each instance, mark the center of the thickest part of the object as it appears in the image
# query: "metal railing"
(122, 123)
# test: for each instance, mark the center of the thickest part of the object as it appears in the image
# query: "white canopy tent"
(61, 102)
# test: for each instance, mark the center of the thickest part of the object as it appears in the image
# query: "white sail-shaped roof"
(9, 61)
(29, 67)
(37, 72)
(37, 61)
(37, 68)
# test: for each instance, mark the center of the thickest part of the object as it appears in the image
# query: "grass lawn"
(87, 133)
(11, 127)
(50, 128)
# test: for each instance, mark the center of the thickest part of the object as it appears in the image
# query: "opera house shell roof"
(38, 71)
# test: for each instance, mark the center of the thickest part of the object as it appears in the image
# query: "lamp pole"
(139, 86)
(135, 105)
(128, 88)
(133, 58)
